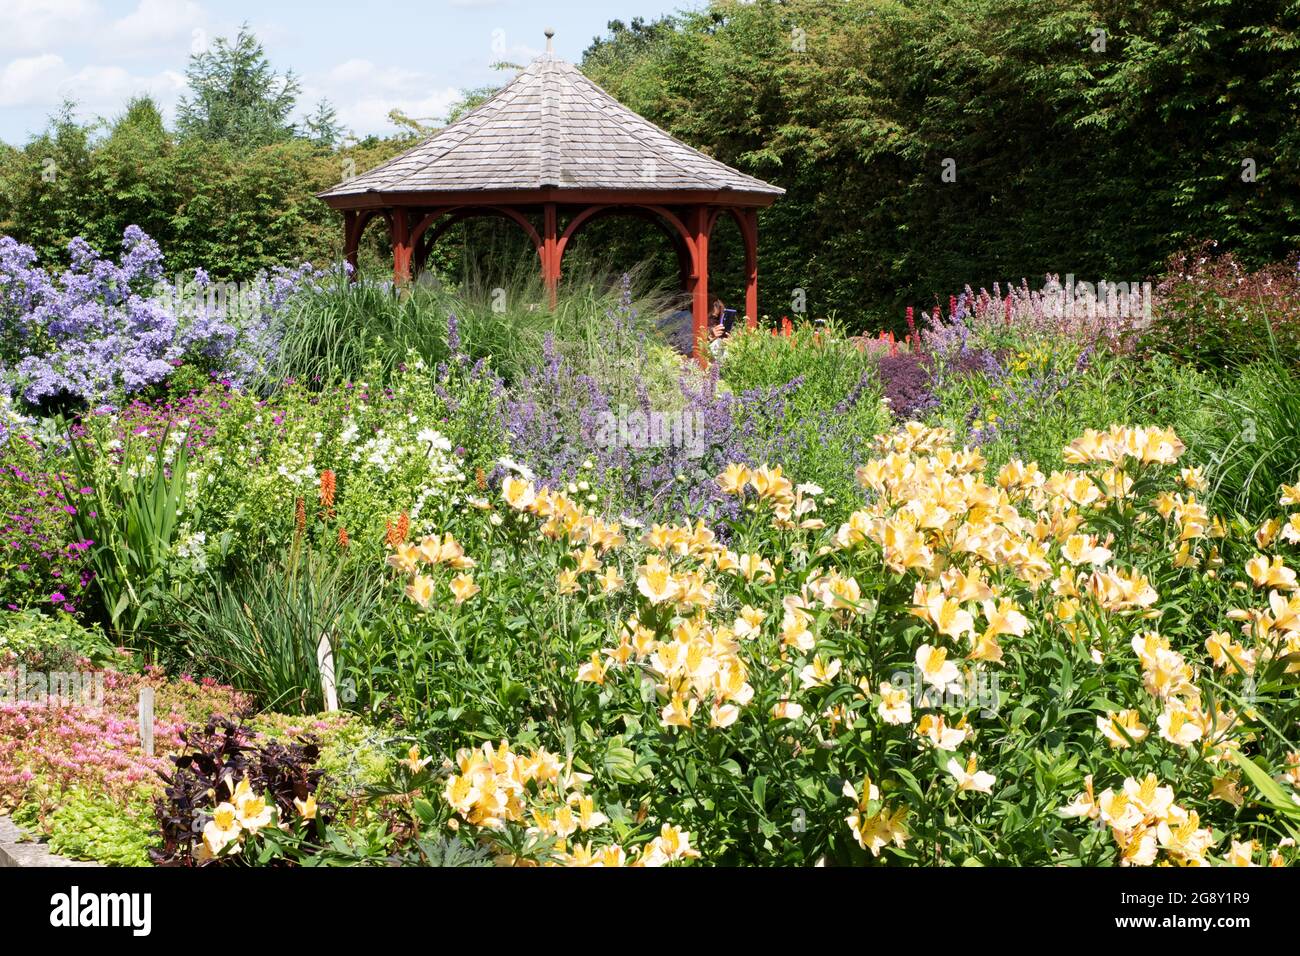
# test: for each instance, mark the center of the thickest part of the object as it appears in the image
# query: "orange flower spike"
(328, 486)
(395, 534)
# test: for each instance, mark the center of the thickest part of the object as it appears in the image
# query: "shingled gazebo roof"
(551, 128)
(553, 152)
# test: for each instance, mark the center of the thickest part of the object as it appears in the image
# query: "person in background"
(717, 330)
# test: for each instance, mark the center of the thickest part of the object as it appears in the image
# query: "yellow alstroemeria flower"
(518, 494)
(678, 712)
(421, 590)
(655, 581)
(673, 843)
(589, 818)
(933, 728)
(786, 709)
(819, 673)
(254, 814)
(936, 670)
(610, 581)
(405, 558)
(894, 707)
(750, 622)
(875, 832)
(413, 761)
(306, 808)
(592, 671)
(1117, 723)
(733, 479)
(463, 588)
(1271, 574)
(222, 830)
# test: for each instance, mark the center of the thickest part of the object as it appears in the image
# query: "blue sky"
(366, 56)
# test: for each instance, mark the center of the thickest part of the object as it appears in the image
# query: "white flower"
(434, 439)
(192, 546)
(522, 470)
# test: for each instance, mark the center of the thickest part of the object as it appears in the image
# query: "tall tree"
(322, 125)
(235, 94)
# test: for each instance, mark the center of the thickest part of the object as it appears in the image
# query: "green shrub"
(132, 516)
(1247, 436)
(87, 826)
(342, 331)
(260, 628)
(41, 642)
(1216, 315)
(827, 364)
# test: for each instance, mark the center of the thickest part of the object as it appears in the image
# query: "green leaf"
(1267, 786)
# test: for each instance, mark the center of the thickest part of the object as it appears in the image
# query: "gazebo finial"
(550, 35)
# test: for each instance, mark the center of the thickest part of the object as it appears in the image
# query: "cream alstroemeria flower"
(1117, 723)
(786, 709)
(306, 808)
(937, 671)
(518, 494)
(819, 673)
(222, 830)
(421, 590)
(970, 778)
(413, 761)
(592, 670)
(254, 813)
(894, 707)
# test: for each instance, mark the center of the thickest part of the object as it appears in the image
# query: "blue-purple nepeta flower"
(101, 331)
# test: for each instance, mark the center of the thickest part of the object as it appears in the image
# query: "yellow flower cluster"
(433, 551)
(874, 830)
(493, 788)
(989, 561)
(240, 817)
(792, 507)
(1144, 820)
(699, 666)
(562, 517)
(1120, 443)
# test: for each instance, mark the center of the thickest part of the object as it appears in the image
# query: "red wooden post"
(550, 253)
(399, 229)
(750, 218)
(700, 286)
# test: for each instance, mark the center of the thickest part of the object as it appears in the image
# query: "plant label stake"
(146, 720)
(325, 663)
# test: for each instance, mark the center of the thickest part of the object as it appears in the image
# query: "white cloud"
(369, 114)
(32, 81)
(45, 81)
(364, 93)
(159, 24)
(106, 89)
(28, 25)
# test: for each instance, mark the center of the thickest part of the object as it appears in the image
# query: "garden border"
(17, 851)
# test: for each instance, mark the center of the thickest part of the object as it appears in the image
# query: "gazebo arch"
(663, 219)
(552, 152)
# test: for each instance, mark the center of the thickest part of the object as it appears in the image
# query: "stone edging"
(15, 851)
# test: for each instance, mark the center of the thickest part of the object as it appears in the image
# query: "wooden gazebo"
(552, 152)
